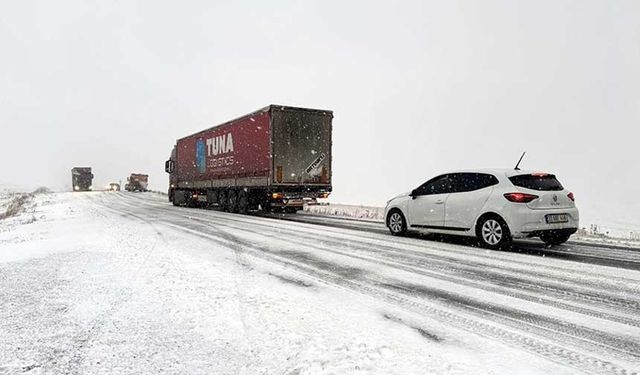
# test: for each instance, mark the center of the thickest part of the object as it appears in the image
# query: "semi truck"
(137, 182)
(276, 158)
(81, 179)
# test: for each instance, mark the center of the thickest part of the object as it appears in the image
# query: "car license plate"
(557, 218)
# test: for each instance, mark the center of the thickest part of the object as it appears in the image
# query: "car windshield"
(541, 182)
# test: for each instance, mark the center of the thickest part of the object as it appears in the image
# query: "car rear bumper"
(532, 223)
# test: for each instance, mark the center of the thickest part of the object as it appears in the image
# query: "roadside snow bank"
(14, 205)
(18, 206)
(348, 211)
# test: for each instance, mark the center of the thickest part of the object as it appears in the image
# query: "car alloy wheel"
(492, 232)
(397, 225)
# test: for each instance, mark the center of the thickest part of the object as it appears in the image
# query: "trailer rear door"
(301, 146)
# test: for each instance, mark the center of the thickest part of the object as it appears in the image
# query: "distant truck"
(81, 179)
(137, 182)
(275, 158)
(114, 186)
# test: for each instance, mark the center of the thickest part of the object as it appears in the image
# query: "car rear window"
(542, 182)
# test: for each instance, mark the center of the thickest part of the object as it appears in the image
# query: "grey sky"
(417, 88)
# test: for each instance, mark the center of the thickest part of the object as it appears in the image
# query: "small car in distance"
(495, 206)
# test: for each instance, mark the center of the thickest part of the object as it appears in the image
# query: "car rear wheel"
(554, 239)
(493, 233)
(396, 223)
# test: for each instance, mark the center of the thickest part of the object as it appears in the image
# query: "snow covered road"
(127, 283)
(615, 255)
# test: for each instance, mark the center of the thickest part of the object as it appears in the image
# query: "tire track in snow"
(339, 280)
(559, 272)
(556, 353)
(505, 277)
(84, 338)
(243, 263)
(553, 327)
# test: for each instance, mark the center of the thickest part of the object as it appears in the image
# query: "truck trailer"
(81, 179)
(276, 158)
(137, 182)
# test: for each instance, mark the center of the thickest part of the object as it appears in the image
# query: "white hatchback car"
(493, 205)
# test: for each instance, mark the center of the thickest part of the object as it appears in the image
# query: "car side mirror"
(414, 193)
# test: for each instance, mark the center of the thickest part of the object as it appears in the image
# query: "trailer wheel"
(243, 202)
(232, 201)
(222, 200)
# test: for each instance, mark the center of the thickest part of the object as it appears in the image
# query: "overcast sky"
(417, 88)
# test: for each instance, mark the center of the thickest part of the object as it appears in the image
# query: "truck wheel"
(222, 200)
(243, 202)
(265, 205)
(232, 201)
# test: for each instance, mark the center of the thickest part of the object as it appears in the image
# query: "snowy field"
(121, 283)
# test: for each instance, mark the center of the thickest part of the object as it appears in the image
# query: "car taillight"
(520, 197)
(570, 195)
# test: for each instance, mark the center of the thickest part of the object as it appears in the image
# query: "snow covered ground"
(348, 211)
(126, 283)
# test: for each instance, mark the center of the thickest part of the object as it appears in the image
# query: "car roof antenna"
(517, 165)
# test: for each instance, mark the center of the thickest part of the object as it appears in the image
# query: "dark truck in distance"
(81, 179)
(275, 158)
(137, 182)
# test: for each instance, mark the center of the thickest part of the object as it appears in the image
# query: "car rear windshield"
(546, 182)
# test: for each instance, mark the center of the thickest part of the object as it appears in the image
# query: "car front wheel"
(493, 233)
(396, 223)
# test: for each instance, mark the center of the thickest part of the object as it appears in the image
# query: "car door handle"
(439, 202)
